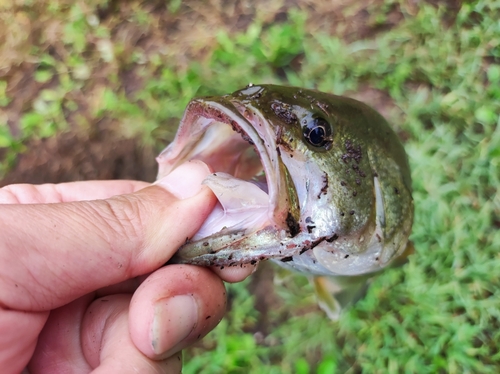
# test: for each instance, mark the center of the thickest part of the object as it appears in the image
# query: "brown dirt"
(75, 156)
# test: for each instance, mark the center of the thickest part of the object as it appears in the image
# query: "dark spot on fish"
(208, 317)
(379, 238)
(239, 130)
(361, 174)
(353, 152)
(346, 256)
(222, 267)
(287, 259)
(315, 243)
(342, 214)
(322, 106)
(332, 238)
(253, 262)
(278, 151)
(284, 112)
(310, 228)
(279, 134)
(342, 183)
(262, 258)
(358, 181)
(396, 191)
(324, 188)
(376, 258)
(246, 138)
(230, 257)
(205, 244)
(309, 220)
(354, 193)
(352, 212)
(292, 224)
(281, 141)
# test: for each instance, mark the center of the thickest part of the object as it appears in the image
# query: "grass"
(434, 72)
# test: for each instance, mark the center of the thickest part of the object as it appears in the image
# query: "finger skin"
(93, 336)
(173, 280)
(54, 253)
(59, 344)
(111, 350)
(235, 274)
(17, 344)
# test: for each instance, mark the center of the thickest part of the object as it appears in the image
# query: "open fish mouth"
(238, 143)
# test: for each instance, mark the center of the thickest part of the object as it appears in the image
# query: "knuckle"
(123, 216)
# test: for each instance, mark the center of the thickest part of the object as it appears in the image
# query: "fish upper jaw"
(227, 135)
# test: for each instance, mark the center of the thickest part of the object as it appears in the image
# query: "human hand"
(74, 294)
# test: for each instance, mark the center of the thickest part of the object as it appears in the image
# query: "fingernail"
(175, 318)
(185, 181)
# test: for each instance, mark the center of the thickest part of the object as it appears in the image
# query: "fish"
(316, 182)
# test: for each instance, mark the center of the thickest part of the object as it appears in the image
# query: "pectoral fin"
(334, 294)
(403, 258)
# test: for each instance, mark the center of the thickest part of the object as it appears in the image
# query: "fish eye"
(317, 132)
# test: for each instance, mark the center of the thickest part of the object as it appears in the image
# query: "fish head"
(321, 183)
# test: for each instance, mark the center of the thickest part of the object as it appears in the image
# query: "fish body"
(317, 182)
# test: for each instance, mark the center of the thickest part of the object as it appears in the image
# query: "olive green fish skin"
(348, 184)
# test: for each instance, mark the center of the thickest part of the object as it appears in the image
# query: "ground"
(95, 89)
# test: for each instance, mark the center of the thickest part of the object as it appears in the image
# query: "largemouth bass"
(319, 183)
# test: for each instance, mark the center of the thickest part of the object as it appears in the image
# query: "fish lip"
(253, 127)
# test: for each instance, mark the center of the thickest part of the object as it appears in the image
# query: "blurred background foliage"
(94, 89)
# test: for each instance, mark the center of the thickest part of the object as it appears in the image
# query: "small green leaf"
(486, 115)
(493, 73)
(43, 76)
(5, 136)
(327, 366)
(301, 366)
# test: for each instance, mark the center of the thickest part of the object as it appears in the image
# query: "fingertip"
(107, 344)
(235, 274)
(185, 181)
(174, 307)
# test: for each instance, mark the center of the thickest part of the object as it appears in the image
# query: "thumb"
(55, 253)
